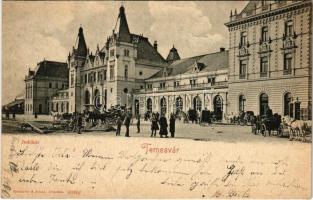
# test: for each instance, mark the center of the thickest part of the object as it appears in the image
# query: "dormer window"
(176, 84)
(162, 85)
(193, 82)
(164, 72)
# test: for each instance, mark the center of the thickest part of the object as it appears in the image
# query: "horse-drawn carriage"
(243, 118)
(268, 124)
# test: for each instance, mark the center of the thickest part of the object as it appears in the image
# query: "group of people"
(77, 122)
(157, 123)
(162, 121)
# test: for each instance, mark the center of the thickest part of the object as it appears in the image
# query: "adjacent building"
(193, 83)
(43, 83)
(270, 58)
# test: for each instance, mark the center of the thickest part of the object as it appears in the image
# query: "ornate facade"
(270, 58)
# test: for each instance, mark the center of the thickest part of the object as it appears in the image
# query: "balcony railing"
(187, 87)
(287, 71)
(263, 74)
(242, 76)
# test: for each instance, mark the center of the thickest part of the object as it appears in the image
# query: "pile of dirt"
(101, 127)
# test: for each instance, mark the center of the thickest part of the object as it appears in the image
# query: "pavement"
(215, 132)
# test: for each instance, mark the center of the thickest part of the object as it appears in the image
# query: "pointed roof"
(121, 27)
(81, 48)
(206, 63)
(48, 68)
(173, 55)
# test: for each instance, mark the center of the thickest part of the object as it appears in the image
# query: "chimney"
(222, 49)
(155, 45)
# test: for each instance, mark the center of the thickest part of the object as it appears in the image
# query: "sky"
(33, 31)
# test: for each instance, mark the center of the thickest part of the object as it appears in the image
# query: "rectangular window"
(105, 75)
(149, 86)
(89, 78)
(162, 85)
(50, 84)
(242, 69)
(126, 52)
(264, 34)
(112, 53)
(289, 28)
(287, 63)
(72, 80)
(263, 66)
(176, 84)
(213, 81)
(243, 39)
(86, 79)
(112, 72)
(126, 72)
(192, 82)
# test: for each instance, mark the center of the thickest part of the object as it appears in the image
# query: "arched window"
(218, 107)
(97, 97)
(242, 103)
(287, 101)
(197, 103)
(149, 104)
(263, 104)
(163, 105)
(87, 97)
(179, 104)
(62, 108)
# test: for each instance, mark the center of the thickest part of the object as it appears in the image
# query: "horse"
(296, 127)
(182, 115)
(229, 118)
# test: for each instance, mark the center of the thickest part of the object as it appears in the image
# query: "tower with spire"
(121, 49)
(115, 72)
(76, 60)
(172, 55)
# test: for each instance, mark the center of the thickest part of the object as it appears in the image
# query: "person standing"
(154, 125)
(127, 124)
(118, 126)
(172, 125)
(138, 124)
(13, 115)
(163, 126)
(79, 123)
